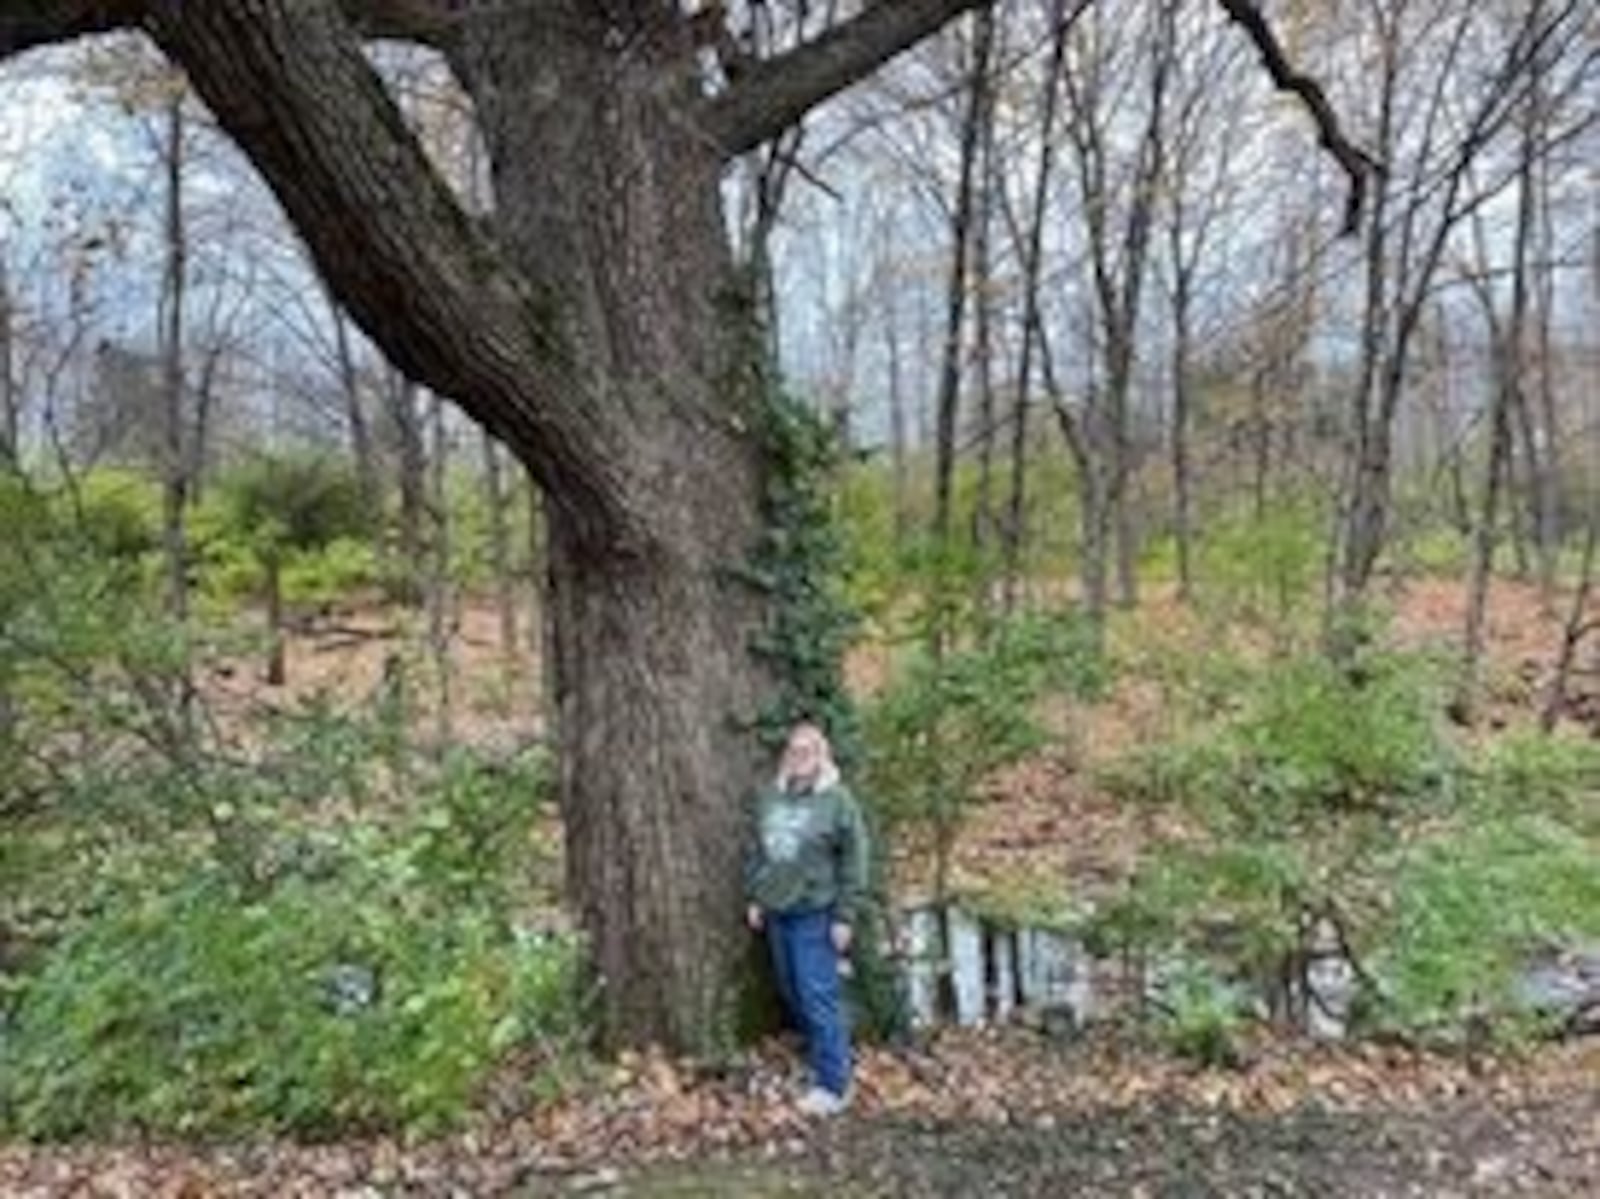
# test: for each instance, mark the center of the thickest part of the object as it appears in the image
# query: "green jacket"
(807, 851)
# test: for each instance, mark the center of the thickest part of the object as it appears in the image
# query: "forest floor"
(969, 1112)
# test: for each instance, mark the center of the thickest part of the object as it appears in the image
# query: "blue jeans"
(807, 972)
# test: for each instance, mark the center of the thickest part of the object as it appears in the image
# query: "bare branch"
(27, 24)
(775, 94)
(1355, 161)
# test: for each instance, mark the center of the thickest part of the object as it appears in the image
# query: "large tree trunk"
(613, 206)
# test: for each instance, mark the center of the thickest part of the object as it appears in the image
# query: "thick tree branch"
(27, 24)
(775, 94)
(431, 22)
(288, 82)
(1356, 162)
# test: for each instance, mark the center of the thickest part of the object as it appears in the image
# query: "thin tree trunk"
(440, 598)
(1119, 276)
(1579, 626)
(899, 448)
(174, 459)
(1182, 405)
(983, 324)
(1127, 531)
(10, 461)
(541, 630)
(413, 465)
(1015, 527)
(1547, 478)
(205, 404)
(956, 304)
(1485, 538)
(277, 671)
(1260, 443)
(10, 415)
(1506, 400)
(494, 489)
(355, 413)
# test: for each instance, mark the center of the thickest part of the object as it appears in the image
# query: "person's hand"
(754, 918)
(842, 937)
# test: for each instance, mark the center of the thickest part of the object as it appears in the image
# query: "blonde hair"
(827, 771)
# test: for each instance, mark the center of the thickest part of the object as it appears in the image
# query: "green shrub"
(192, 918)
(1202, 1017)
(1334, 792)
(1473, 906)
(945, 724)
(302, 514)
(117, 511)
(1304, 737)
(326, 573)
(1262, 567)
(300, 976)
(1314, 736)
(325, 1006)
(1527, 771)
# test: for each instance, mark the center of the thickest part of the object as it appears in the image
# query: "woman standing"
(805, 875)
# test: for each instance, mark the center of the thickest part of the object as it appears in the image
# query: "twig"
(1357, 163)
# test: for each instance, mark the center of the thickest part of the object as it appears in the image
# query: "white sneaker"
(818, 1102)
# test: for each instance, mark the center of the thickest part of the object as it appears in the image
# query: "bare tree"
(1508, 338)
(1419, 202)
(1014, 529)
(1118, 191)
(977, 88)
(983, 284)
(1201, 146)
(174, 457)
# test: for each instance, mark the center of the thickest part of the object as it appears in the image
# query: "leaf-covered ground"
(975, 1114)
(992, 1114)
